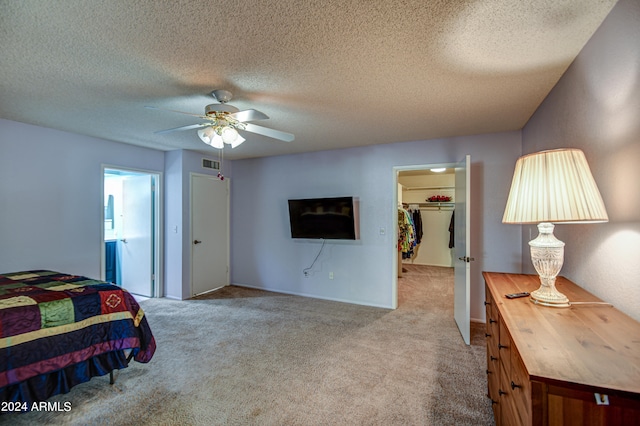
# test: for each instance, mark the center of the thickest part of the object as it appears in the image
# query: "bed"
(59, 330)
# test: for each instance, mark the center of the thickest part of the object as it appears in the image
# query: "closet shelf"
(421, 188)
(439, 203)
(432, 204)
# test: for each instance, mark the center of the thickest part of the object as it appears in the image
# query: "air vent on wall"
(210, 164)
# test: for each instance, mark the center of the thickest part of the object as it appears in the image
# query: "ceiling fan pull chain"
(220, 159)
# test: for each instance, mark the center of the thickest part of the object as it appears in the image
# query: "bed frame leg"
(112, 380)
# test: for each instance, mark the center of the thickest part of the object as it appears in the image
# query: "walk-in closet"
(425, 218)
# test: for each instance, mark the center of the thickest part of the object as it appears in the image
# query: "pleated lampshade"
(554, 186)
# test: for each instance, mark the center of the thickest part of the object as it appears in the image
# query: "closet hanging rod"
(431, 206)
(435, 204)
(442, 209)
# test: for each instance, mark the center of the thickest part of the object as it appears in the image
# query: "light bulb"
(206, 134)
(238, 141)
(209, 136)
(229, 135)
(216, 141)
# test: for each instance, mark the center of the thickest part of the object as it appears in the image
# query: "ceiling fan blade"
(265, 131)
(189, 127)
(179, 112)
(249, 115)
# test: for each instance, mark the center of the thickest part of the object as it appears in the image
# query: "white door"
(462, 240)
(135, 247)
(209, 233)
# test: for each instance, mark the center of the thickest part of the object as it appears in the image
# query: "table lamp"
(550, 187)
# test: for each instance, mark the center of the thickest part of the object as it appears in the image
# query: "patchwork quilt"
(50, 321)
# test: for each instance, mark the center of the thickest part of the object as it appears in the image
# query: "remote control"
(516, 295)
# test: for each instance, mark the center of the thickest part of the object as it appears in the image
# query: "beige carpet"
(249, 357)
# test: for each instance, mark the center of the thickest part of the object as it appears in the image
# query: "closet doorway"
(131, 230)
(428, 196)
(437, 196)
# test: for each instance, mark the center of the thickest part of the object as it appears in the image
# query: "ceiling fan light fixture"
(209, 136)
(223, 121)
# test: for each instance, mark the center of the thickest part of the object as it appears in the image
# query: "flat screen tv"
(324, 218)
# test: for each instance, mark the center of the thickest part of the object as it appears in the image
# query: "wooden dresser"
(559, 366)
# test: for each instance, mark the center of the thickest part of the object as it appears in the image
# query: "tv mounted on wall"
(324, 218)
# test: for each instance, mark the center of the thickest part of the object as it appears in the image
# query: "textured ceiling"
(334, 73)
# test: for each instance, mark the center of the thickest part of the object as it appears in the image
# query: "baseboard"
(313, 296)
(172, 297)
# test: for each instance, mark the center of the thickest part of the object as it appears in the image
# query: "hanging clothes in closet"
(406, 234)
(452, 228)
(417, 222)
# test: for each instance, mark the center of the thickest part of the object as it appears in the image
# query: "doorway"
(131, 230)
(454, 187)
(428, 196)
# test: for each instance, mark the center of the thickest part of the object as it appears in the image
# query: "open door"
(462, 240)
(135, 247)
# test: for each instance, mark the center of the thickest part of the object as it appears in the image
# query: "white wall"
(264, 255)
(596, 107)
(174, 227)
(51, 211)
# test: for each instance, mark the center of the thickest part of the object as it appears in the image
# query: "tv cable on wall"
(306, 271)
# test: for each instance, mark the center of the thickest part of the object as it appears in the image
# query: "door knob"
(196, 241)
(124, 240)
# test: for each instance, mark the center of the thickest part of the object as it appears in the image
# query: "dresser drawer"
(567, 406)
(493, 376)
(504, 346)
(491, 313)
(493, 363)
(519, 387)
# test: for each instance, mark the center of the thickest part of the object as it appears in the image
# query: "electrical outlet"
(306, 274)
(330, 275)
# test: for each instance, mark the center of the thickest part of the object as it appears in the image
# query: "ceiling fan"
(224, 122)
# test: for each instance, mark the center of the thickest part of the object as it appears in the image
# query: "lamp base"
(554, 298)
(547, 255)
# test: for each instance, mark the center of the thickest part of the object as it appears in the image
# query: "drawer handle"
(514, 386)
(486, 303)
(487, 335)
(488, 372)
(502, 346)
(493, 358)
(494, 402)
(492, 321)
(501, 392)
